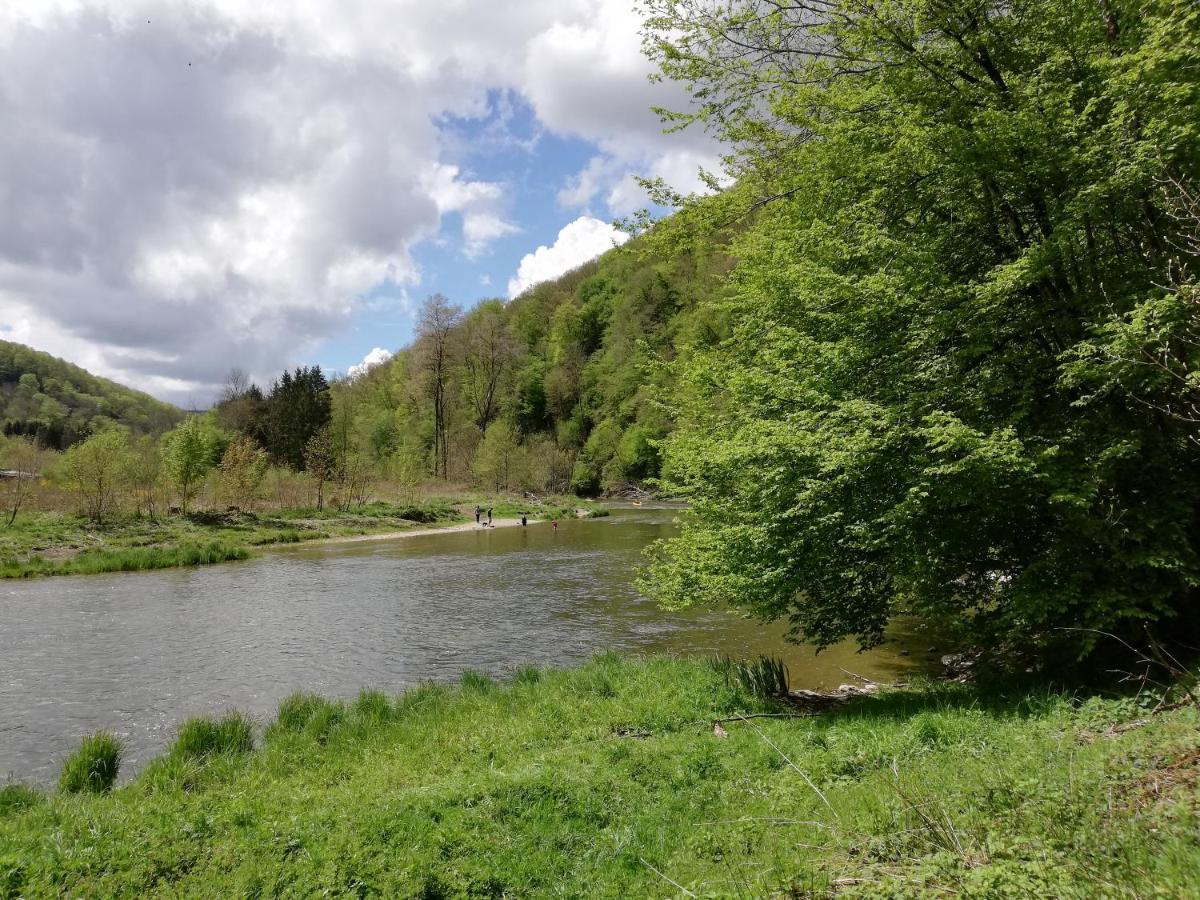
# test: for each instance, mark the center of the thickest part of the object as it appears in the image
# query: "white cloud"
(196, 185)
(374, 358)
(577, 242)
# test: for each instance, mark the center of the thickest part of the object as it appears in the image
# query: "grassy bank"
(54, 543)
(610, 780)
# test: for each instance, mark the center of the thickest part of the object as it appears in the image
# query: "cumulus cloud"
(577, 242)
(374, 358)
(189, 186)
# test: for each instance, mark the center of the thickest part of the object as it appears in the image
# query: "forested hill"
(560, 388)
(57, 403)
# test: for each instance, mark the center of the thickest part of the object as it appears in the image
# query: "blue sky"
(231, 183)
(510, 147)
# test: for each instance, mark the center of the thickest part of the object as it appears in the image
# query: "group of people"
(479, 511)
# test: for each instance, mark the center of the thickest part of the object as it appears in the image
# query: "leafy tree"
(144, 474)
(188, 456)
(243, 467)
(95, 470)
(321, 461)
(956, 253)
(22, 462)
(497, 456)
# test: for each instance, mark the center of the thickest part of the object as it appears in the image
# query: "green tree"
(954, 213)
(21, 462)
(497, 455)
(321, 461)
(243, 467)
(188, 453)
(95, 470)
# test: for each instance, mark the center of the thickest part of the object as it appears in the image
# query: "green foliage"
(189, 452)
(96, 471)
(59, 404)
(15, 797)
(599, 781)
(957, 380)
(765, 677)
(201, 737)
(93, 766)
(130, 559)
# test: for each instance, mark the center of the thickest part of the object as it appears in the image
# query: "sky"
(193, 186)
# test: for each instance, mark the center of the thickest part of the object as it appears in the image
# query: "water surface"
(138, 652)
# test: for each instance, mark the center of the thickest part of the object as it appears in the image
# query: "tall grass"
(765, 677)
(201, 737)
(131, 559)
(93, 766)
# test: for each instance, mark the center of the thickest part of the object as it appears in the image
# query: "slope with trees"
(57, 403)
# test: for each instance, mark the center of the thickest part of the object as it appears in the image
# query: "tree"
(488, 354)
(243, 467)
(95, 471)
(497, 455)
(297, 407)
(188, 456)
(22, 462)
(321, 461)
(435, 357)
(144, 474)
(949, 210)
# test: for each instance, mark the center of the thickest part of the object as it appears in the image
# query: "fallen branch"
(665, 877)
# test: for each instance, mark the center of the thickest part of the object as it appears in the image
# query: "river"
(138, 652)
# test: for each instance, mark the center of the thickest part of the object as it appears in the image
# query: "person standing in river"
(478, 513)
(523, 522)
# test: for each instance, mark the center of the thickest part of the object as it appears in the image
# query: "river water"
(136, 653)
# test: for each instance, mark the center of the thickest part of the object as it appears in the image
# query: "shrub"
(201, 737)
(93, 766)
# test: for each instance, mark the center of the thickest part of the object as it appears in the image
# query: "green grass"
(93, 766)
(609, 780)
(55, 544)
(129, 559)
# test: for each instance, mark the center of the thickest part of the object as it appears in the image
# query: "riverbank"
(654, 777)
(49, 543)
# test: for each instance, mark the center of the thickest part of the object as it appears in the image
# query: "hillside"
(57, 402)
(560, 388)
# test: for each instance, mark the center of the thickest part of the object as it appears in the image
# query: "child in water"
(555, 524)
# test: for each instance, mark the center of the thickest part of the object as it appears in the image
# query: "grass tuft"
(201, 737)
(93, 767)
(15, 797)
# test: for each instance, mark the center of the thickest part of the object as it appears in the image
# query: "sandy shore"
(393, 535)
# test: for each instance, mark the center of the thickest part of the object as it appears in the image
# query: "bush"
(202, 737)
(93, 767)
